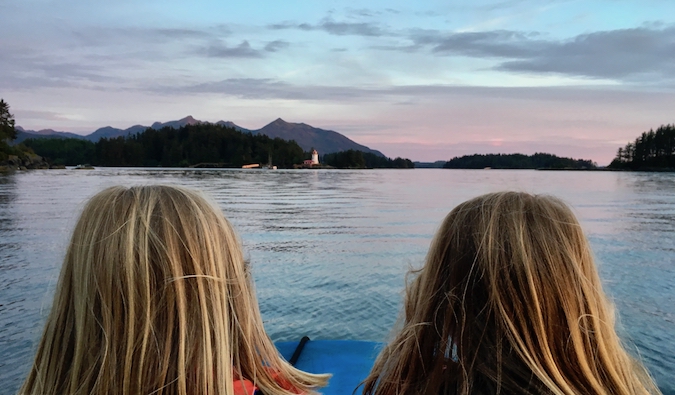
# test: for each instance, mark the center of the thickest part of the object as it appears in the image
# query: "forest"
(653, 150)
(352, 159)
(202, 145)
(517, 161)
(208, 145)
(7, 132)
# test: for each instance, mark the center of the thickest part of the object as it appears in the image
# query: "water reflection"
(7, 197)
(638, 265)
(12, 279)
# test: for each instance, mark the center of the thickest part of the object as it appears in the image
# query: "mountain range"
(307, 137)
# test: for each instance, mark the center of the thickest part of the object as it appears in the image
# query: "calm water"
(329, 249)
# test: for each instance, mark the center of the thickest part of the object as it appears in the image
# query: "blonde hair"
(509, 301)
(154, 297)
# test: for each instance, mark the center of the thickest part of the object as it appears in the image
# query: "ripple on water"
(329, 249)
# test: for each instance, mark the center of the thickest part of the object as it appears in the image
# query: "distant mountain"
(176, 124)
(234, 126)
(109, 132)
(22, 134)
(308, 137)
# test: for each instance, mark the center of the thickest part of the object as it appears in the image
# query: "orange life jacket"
(246, 387)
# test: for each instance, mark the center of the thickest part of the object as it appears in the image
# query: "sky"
(426, 80)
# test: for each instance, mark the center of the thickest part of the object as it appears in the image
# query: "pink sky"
(427, 81)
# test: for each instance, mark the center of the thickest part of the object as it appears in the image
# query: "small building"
(312, 162)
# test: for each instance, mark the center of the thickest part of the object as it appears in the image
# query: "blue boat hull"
(349, 361)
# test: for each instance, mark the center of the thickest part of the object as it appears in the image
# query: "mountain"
(234, 126)
(176, 124)
(308, 137)
(22, 134)
(109, 132)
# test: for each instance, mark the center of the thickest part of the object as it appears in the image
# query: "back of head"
(155, 297)
(509, 301)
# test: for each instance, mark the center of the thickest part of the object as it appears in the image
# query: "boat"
(349, 361)
(269, 165)
(86, 166)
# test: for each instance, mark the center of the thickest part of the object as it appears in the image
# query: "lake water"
(329, 249)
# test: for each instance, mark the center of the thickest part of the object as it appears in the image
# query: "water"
(330, 249)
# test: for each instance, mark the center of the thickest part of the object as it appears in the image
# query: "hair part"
(154, 297)
(509, 301)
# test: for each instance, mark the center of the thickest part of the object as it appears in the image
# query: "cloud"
(95, 36)
(41, 115)
(330, 26)
(361, 12)
(115, 58)
(26, 68)
(498, 43)
(506, 4)
(498, 6)
(369, 13)
(266, 88)
(616, 54)
(625, 54)
(179, 33)
(243, 50)
(274, 46)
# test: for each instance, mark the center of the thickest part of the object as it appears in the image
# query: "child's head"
(509, 300)
(155, 297)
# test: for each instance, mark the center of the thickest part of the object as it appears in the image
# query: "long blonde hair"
(155, 297)
(509, 301)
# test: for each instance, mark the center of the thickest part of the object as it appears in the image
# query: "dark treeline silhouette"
(352, 159)
(66, 151)
(207, 144)
(7, 132)
(517, 161)
(652, 150)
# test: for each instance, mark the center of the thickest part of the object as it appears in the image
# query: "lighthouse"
(315, 157)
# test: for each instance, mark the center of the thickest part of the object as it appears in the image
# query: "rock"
(13, 161)
(33, 161)
(29, 161)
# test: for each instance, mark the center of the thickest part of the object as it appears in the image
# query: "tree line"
(7, 132)
(651, 150)
(210, 145)
(353, 159)
(207, 145)
(517, 161)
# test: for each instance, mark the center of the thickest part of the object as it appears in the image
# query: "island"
(651, 151)
(540, 161)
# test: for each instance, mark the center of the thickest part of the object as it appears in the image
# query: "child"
(508, 302)
(155, 298)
